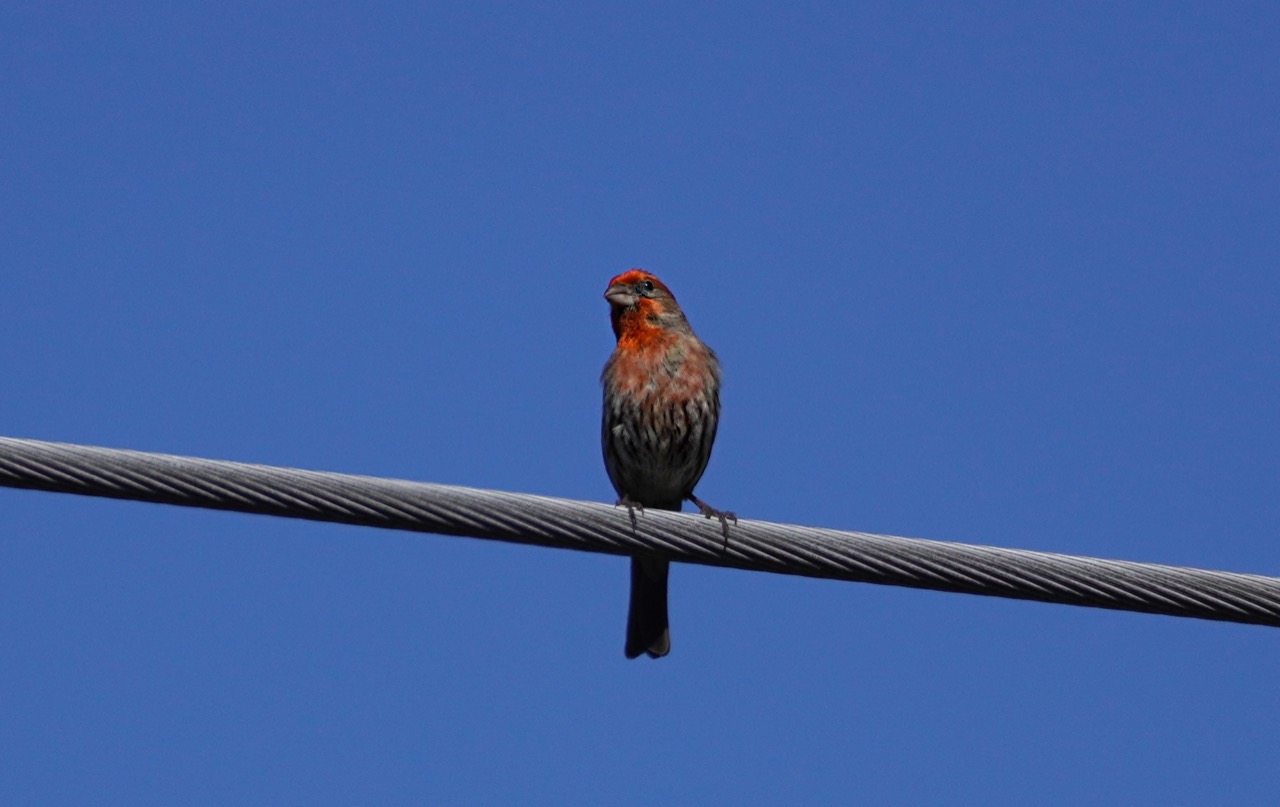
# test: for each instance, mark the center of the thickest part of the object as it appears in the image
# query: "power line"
(595, 527)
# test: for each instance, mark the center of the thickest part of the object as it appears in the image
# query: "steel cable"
(596, 527)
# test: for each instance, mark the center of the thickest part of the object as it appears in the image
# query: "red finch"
(661, 408)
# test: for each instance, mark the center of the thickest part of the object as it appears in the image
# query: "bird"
(661, 410)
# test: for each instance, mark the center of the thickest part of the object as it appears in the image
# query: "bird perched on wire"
(661, 409)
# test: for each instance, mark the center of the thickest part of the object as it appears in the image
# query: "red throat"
(635, 324)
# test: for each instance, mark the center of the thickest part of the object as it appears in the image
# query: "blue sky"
(994, 273)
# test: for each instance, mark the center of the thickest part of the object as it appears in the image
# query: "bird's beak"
(620, 296)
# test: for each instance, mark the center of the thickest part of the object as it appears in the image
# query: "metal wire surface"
(595, 527)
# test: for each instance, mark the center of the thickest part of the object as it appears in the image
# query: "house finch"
(661, 408)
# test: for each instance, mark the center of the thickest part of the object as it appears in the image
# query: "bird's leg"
(710, 512)
(631, 506)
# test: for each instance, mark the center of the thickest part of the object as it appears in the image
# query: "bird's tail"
(647, 628)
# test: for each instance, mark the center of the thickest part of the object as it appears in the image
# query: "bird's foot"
(710, 512)
(631, 506)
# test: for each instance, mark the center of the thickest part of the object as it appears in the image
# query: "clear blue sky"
(994, 273)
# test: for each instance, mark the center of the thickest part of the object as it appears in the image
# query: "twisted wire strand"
(595, 527)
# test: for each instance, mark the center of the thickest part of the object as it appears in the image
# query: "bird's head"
(639, 300)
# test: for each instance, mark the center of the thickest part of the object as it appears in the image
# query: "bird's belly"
(652, 455)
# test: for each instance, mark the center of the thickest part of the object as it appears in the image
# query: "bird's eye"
(646, 286)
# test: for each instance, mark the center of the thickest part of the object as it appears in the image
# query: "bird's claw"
(724, 516)
(631, 506)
